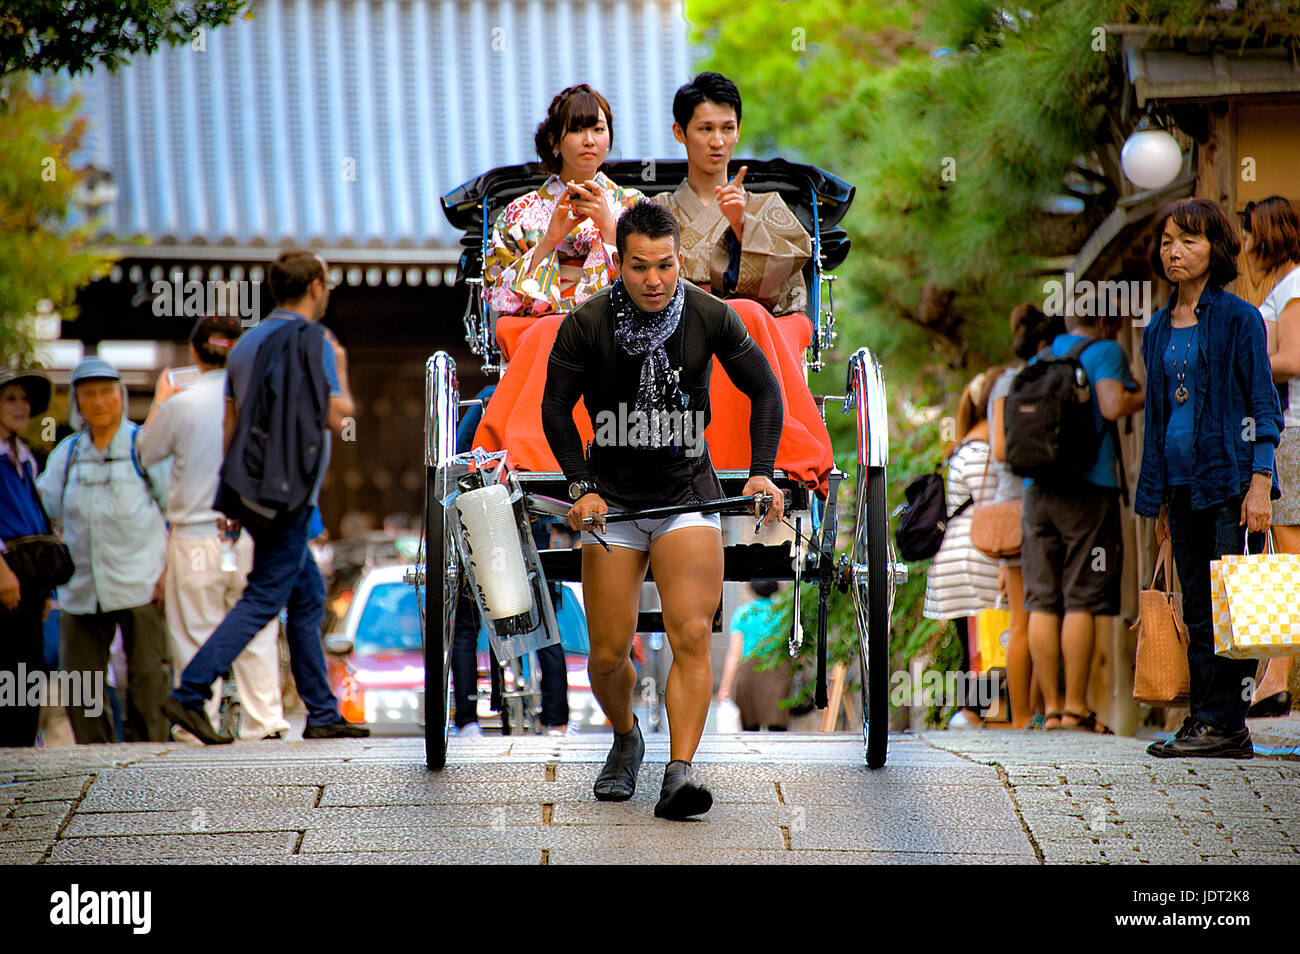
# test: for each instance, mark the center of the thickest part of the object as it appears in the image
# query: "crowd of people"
(164, 532)
(1214, 363)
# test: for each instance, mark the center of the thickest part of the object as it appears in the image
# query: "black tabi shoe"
(1206, 741)
(680, 797)
(195, 721)
(617, 780)
(1278, 704)
(336, 730)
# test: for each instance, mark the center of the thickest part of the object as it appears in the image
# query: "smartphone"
(183, 377)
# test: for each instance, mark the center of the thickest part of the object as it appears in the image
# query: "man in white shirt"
(185, 424)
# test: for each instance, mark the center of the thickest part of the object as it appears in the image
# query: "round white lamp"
(1151, 158)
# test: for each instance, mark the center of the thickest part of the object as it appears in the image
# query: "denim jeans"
(283, 575)
(1221, 687)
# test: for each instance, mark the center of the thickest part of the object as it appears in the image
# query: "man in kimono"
(736, 244)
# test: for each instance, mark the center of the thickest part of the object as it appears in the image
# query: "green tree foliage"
(961, 122)
(40, 259)
(75, 35)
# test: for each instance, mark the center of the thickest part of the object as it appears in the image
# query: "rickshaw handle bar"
(739, 505)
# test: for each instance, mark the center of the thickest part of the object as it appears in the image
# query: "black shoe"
(1205, 741)
(336, 730)
(1158, 748)
(1278, 704)
(195, 721)
(617, 780)
(272, 737)
(680, 797)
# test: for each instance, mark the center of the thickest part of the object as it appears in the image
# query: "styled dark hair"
(213, 336)
(577, 107)
(1031, 329)
(1274, 231)
(1200, 217)
(291, 273)
(713, 87)
(763, 587)
(652, 221)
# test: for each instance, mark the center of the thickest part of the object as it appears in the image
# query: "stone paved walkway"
(980, 797)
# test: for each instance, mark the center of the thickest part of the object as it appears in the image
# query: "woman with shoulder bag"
(1206, 478)
(961, 580)
(1031, 332)
(31, 558)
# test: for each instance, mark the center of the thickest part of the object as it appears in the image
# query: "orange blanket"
(513, 418)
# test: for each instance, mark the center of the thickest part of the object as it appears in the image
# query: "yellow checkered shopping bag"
(1255, 604)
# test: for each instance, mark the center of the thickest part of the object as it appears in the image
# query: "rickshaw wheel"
(873, 611)
(439, 612)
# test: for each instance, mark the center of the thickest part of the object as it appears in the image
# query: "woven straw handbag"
(995, 527)
(1162, 677)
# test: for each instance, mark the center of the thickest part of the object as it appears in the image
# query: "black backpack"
(1048, 420)
(924, 518)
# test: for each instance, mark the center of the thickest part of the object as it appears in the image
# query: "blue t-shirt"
(1104, 361)
(755, 622)
(239, 368)
(1180, 429)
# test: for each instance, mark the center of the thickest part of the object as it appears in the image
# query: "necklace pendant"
(1181, 395)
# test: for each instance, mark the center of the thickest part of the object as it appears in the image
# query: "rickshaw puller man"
(648, 341)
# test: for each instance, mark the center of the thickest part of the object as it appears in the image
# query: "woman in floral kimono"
(552, 248)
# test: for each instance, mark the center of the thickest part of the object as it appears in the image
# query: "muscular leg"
(611, 585)
(687, 566)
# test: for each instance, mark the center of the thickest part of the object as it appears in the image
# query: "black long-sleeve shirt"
(585, 362)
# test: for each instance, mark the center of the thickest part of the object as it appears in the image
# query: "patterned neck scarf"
(642, 334)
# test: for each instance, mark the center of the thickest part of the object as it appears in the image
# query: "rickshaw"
(868, 571)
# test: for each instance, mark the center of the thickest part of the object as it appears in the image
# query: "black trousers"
(22, 652)
(464, 669)
(1221, 687)
(84, 644)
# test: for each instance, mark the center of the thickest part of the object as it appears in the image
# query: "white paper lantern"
(1151, 157)
(496, 553)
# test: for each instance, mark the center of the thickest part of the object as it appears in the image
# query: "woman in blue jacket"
(23, 599)
(1212, 424)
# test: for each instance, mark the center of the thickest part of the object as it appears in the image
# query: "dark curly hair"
(577, 107)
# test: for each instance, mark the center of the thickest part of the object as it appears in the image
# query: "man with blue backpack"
(1061, 433)
(109, 509)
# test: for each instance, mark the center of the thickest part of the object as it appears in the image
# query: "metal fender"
(442, 399)
(865, 391)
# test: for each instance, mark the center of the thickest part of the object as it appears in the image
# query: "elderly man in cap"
(110, 509)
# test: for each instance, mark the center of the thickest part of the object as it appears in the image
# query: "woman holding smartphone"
(553, 248)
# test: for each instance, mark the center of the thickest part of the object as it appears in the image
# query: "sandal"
(1047, 721)
(1086, 723)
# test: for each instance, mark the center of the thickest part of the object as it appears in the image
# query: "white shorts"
(637, 534)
